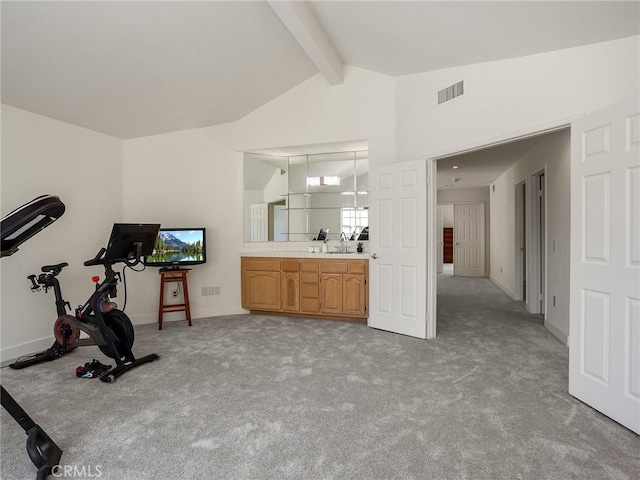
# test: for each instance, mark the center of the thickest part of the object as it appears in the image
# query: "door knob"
(374, 256)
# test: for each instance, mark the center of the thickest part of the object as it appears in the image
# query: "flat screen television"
(178, 247)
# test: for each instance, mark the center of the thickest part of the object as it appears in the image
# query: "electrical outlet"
(210, 291)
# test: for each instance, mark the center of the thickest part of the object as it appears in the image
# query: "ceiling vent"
(451, 92)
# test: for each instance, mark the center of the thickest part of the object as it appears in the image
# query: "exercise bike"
(106, 326)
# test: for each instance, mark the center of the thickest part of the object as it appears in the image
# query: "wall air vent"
(451, 92)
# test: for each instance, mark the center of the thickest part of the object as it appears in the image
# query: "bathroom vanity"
(316, 285)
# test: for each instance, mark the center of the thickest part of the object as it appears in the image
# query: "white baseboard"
(502, 287)
(556, 332)
(9, 354)
(195, 314)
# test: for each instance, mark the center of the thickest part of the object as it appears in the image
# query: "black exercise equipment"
(15, 228)
(107, 327)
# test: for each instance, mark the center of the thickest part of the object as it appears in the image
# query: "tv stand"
(174, 275)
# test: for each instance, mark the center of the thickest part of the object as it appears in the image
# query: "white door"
(604, 341)
(468, 248)
(521, 244)
(398, 263)
(259, 222)
(440, 222)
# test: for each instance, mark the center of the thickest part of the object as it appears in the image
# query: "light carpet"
(267, 397)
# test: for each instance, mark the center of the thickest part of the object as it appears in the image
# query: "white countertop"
(305, 254)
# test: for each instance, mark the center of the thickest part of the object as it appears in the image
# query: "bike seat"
(51, 268)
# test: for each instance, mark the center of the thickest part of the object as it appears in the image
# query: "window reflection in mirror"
(293, 198)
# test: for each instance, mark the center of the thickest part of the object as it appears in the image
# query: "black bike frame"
(91, 313)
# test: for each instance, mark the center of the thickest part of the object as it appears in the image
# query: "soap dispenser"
(325, 247)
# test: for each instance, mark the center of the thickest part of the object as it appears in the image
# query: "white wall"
(314, 112)
(551, 153)
(277, 186)
(84, 168)
(509, 96)
(447, 215)
(187, 179)
(466, 195)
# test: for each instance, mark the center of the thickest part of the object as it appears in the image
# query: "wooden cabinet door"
(262, 290)
(291, 291)
(331, 293)
(354, 297)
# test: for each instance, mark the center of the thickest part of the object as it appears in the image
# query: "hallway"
(466, 304)
(517, 377)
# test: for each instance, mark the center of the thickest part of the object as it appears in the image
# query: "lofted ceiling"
(131, 69)
(136, 68)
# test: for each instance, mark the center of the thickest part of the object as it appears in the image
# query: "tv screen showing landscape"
(178, 246)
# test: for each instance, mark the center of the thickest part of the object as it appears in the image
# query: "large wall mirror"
(301, 197)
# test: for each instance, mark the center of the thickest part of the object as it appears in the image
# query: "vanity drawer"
(357, 267)
(309, 277)
(289, 265)
(334, 266)
(261, 264)
(309, 266)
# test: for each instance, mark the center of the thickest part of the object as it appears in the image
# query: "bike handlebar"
(97, 259)
(131, 262)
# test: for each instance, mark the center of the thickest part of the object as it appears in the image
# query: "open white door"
(604, 341)
(398, 264)
(440, 260)
(468, 249)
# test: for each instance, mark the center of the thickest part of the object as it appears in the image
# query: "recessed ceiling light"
(455, 167)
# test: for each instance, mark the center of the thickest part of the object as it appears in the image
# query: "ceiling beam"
(298, 18)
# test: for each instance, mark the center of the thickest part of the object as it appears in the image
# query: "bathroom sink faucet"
(343, 238)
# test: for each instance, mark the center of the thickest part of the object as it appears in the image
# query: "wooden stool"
(174, 276)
